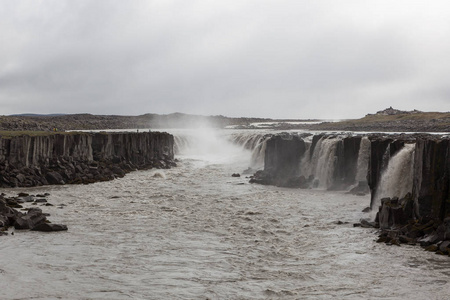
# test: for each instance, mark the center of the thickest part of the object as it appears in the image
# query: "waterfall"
(257, 159)
(180, 144)
(209, 145)
(397, 178)
(363, 160)
(321, 163)
(256, 143)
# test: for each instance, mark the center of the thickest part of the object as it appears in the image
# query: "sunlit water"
(195, 232)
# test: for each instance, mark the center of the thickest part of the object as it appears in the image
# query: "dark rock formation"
(284, 155)
(431, 189)
(345, 168)
(47, 227)
(34, 219)
(80, 157)
(282, 160)
(423, 215)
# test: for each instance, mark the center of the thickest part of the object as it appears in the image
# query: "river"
(195, 232)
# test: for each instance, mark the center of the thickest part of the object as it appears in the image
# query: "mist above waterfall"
(210, 145)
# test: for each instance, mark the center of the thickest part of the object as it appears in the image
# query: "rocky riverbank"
(31, 218)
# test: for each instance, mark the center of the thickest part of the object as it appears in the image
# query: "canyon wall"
(80, 157)
(306, 161)
(408, 177)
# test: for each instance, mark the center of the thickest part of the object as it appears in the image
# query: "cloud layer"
(280, 59)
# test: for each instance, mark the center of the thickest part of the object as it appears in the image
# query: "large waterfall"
(338, 161)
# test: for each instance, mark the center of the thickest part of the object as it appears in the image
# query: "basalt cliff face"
(408, 177)
(306, 161)
(80, 157)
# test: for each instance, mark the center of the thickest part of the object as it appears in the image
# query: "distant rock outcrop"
(392, 112)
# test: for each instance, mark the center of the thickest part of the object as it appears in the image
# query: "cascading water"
(256, 143)
(320, 165)
(397, 178)
(363, 160)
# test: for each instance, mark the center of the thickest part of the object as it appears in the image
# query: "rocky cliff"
(28, 160)
(408, 177)
(305, 161)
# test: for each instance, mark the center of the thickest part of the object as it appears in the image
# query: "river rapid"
(195, 232)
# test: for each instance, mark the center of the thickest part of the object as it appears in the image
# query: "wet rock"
(394, 212)
(28, 199)
(262, 177)
(282, 158)
(4, 221)
(367, 224)
(366, 210)
(444, 247)
(54, 178)
(406, 240)
(432, 248)
(299, 182)
(48, 227)
(33, 217)
(41, 200)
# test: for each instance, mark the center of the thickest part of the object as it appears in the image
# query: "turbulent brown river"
(195, 232)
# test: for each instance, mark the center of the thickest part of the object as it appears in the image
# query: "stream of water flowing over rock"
(397, 179)
(195, 232)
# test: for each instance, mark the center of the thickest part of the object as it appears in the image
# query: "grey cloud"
(253, 58)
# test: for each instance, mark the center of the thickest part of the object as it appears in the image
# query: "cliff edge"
(31, 160)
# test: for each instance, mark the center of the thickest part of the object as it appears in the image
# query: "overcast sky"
(279, 59)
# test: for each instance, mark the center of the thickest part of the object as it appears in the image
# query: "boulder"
(54, 178)
(33, 217)
(261, 177)
(48, 227)
(41, 200)
(444, 246)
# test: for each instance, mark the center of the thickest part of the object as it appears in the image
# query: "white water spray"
(322, 162)
(210, 145)
(397, 179)
(256, 143)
